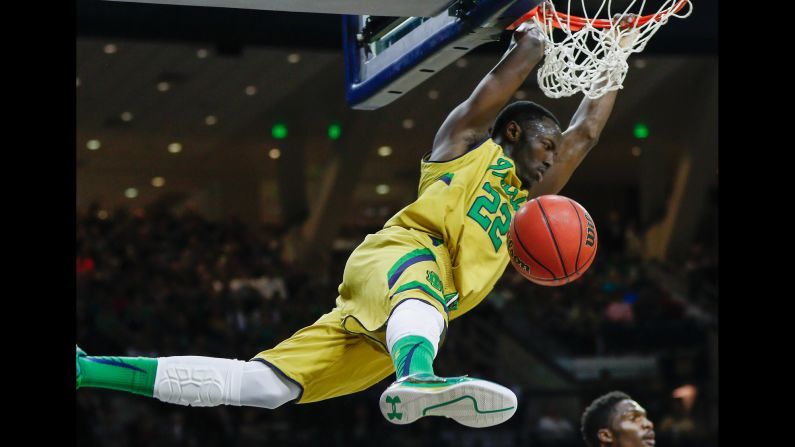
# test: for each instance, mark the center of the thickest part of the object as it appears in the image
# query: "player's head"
(531, 134)
(615, 420)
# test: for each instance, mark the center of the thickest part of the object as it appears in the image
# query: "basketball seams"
(554, 241)
(593, 252)
(553, 282)
(575, 275)
(518, 239)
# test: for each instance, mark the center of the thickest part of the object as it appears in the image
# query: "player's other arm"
(469, 122)
(581, 136)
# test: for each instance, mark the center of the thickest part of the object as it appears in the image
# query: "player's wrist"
(530, 42)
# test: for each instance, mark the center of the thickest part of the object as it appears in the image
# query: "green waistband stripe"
(422, 254)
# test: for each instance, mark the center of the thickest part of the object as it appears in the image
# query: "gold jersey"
(466, 204)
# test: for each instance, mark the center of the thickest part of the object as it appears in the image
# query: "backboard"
(386, 57)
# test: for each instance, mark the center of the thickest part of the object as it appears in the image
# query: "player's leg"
(328, 361)
(188, 380)
(413, 333)
(398, 289)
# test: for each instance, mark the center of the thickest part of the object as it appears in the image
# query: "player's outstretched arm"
(469, 122)
(578, 139)
(581, 136)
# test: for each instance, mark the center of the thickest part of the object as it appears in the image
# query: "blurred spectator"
(554, 431)
(85, 265)
(677, 428)
(612, 234)
(619, 312)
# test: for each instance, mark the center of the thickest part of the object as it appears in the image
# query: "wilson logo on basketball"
(517, 261)
(590, 236)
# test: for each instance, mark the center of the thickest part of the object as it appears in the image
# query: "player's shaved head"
(530, 135)
(523, 112)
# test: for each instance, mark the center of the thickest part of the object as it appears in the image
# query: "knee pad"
(207, 382)
(198, 381)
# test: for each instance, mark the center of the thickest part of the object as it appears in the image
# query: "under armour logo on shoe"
(394, 400)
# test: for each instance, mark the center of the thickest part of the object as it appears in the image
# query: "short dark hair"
(597, 415)
(520, 111)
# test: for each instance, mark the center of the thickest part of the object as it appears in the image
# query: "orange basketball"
(552, 240)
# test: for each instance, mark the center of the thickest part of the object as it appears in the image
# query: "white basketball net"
(594, 60)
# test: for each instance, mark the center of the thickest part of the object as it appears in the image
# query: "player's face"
(539, 144)
(630, 427)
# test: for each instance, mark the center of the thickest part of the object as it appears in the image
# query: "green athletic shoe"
(78, 354)
(469, 401)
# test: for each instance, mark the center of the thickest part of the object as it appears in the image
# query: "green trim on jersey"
(406, 257)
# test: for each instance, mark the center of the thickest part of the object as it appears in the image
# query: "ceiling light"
(93, 145)
(408, 123)
(279, 131)
(433, 94)
(210, 120)
(251, 90)
(175, 148)
(126, 116)
(274, 153)
(382, 189)
(641, 131)
(461, 63)
(201, 53)
(158, 182)
(294, 58)
(110, 48)
(385, 151)
(131, 193)
(334, 131)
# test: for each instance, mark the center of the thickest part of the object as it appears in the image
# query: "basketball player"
(615, 420)
(432, 262)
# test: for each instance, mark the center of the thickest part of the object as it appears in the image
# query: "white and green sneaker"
(469, 401)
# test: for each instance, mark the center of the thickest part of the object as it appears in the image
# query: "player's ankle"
(131, 374)
(412, 354)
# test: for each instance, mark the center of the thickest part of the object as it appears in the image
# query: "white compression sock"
(413, 317)
(208, 381)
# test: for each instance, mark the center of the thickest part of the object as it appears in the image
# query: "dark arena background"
(223, 181)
